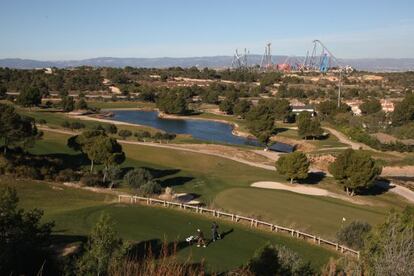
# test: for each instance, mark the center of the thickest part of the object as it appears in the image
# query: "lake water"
(200, 129)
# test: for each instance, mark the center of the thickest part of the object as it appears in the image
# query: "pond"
(215, 132)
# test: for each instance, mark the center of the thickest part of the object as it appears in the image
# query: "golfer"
(214, 231)
(200, 238)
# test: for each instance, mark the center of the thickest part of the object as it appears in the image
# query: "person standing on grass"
(200, 238)
(214, 231)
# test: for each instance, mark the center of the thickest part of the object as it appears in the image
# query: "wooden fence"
(237, 218)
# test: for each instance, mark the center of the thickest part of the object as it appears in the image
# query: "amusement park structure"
(266, 62)
(320, 60)
(240, 60)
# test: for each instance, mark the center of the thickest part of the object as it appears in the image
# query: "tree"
(103, 247)
(137, 178)
(241, 108)
(172, 103)
(355, 170)
(227, 106)
(265, 262)
(16, 130)
(124, 133)
(23, 237)
(389, 248)
(107, 151)
(308, 126)
(261, 122)
(276, 260)
(210, 96)
(81, 104)
(370, 106)
(280, 107)
(330, 108)
(3, 92)
(403, 111)
(294, 165)
(67, 103)
(30, 96)
(99, 148)
(111, 128)
(353, 235)
(150, 188)
(76, 125)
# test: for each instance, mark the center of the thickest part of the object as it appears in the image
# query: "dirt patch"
(321, 162)
(300, 144)
(398, 171)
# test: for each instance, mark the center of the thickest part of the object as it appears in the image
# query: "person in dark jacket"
(214, 231)
(200, 238)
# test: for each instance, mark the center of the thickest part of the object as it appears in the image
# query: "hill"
(367, 64)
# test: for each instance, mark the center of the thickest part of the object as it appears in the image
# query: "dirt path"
(345, 140)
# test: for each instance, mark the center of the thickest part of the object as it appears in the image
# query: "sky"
(78, 29)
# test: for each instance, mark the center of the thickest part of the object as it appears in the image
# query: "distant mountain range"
(368, 64)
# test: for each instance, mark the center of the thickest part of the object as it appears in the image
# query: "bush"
(41, 121)
(124, 133)
(77, 125)
(111, 129)
(27, 172)
(91, 180)
(65, 124)
(137, 177)
(353, 235)
(150, 188)
(66, 175)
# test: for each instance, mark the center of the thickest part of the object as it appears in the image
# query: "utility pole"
(339, 87)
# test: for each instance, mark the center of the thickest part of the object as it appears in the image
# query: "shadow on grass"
(159, 173)
(380, 187)
(175, 181)
(72, 161)
(156, 248)
(313, 178)
(66, 239)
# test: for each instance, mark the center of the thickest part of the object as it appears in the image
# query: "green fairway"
(225, 183)
(313, 214)
(76, 211)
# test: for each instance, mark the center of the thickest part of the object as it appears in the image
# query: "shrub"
(65, 124)
(91, 180)
(137, 177)
(111, 129)
(151, 187)
(66, 175)
(353, 235)
(48, 172)
(41, 121)
(77, 125)
(124, 133)
(27, 172)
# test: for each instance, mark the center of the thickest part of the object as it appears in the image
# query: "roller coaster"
(321, 59)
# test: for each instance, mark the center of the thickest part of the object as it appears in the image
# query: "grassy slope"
(215, 179)
(314, 214)
(76, 211)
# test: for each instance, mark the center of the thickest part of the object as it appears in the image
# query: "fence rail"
(237, 218)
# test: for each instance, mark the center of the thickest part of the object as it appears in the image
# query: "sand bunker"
(292, 188)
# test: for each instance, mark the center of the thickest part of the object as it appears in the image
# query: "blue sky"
(73, 29)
